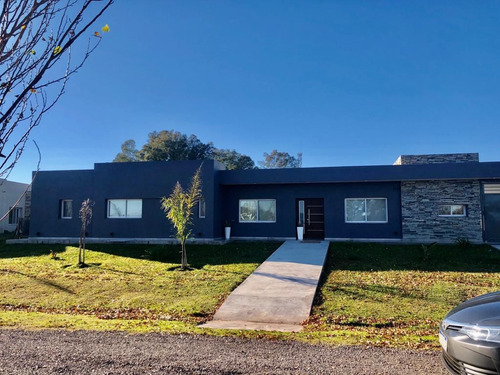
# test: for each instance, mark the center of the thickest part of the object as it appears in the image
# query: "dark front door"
(492, 213)
(311, 213)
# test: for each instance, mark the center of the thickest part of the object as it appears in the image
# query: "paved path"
(279, 294)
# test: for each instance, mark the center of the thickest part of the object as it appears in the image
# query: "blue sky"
(343, 82)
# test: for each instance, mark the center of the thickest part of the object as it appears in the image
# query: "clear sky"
(343, 82)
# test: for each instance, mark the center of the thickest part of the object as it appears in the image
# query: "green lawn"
(396, 295)
(388, 295)
(123, 282)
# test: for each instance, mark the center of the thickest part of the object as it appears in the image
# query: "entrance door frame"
(313, 229)
(491, 211)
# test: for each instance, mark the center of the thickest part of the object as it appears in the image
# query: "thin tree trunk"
(183, 255)
(80, 249)
(84, 229)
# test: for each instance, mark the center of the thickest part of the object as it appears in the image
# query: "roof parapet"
(437, 158)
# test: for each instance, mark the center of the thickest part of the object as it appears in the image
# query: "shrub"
(463, 243)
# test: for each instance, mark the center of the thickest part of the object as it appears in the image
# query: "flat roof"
(377, 173)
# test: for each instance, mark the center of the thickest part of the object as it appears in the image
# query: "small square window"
(66, 209)
(201, 208)
(458, 210)
(355, 210)
(134, 207)
(15, 214)
(248, 210)
(444, 210)
(267, 210)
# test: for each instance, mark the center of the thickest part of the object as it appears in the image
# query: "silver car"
(470, 336)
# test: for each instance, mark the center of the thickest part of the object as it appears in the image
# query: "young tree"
(86, 217)
(36, 40)
(178, 208)
(277, 159)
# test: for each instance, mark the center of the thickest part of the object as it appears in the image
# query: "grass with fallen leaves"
(373, 294)
(122, 282)
(396, 295)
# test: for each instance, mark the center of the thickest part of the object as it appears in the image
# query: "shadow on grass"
(29, 250)
(375, 257)
(180, 269)
(356, 291)
(383, 257)
(118, 271)
(40, 281)
(198, 255)
(88, 265)
(359, 323)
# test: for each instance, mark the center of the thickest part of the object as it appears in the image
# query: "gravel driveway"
(62, 352)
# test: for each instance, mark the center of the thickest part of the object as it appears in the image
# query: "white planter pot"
(300, 233)
(227, 232)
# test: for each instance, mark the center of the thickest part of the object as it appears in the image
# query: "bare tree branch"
(35, 38)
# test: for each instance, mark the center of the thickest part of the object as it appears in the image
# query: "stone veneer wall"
(437, 158)
(419, 206)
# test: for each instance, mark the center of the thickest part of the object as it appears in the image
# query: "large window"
(452, 210)
(366, 210)
(124, 208)
(66, 209)
(257, 211)
(15, 214)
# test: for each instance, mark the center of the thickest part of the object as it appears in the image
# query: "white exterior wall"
(9, 194)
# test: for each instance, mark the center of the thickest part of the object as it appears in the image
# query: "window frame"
(202, 213)
(258, 221)
(301, 213)
(63, 201)
(15, 213)
(451, 210)
(126, 216)
(366, 221)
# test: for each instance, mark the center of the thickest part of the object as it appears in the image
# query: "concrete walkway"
(278, 295)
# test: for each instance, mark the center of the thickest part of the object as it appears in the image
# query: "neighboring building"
(10, 192)
(422, 198)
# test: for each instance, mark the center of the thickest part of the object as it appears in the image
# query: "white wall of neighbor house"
(9, 193)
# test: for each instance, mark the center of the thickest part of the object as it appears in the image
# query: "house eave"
(381, 173)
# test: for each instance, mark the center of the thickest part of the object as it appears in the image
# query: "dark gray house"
(420, 198)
